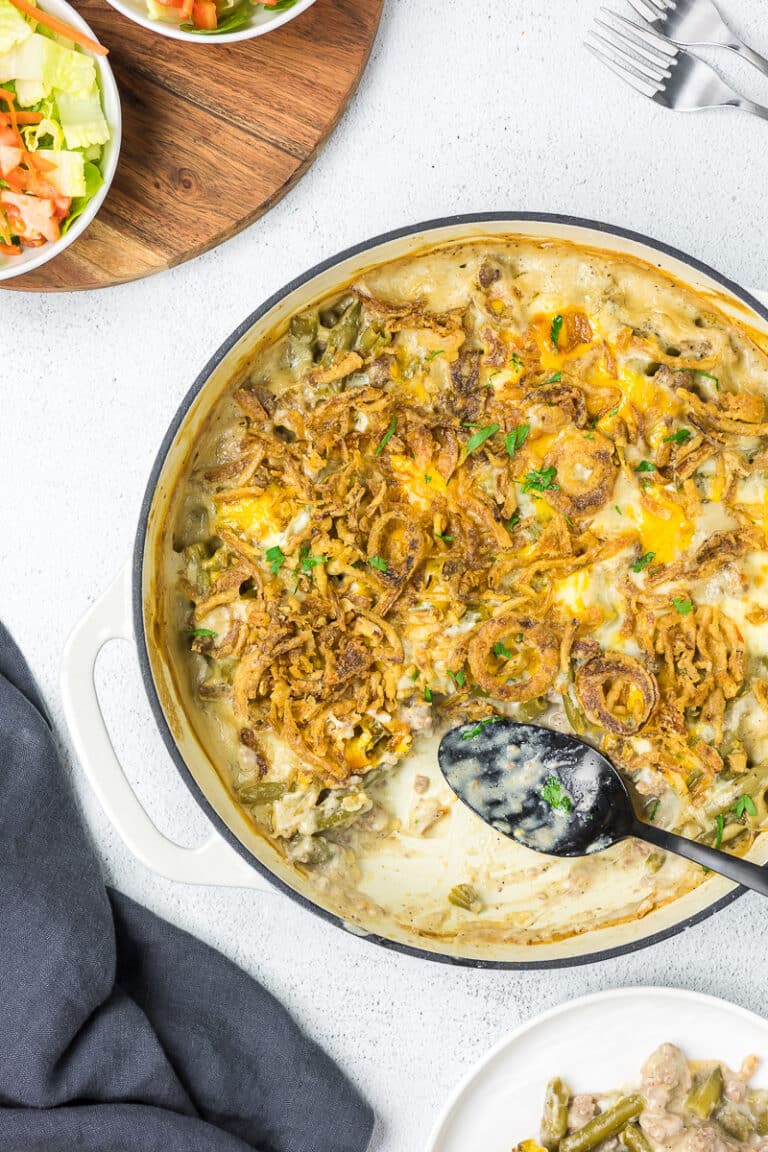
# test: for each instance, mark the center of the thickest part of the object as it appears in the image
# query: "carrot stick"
(60, 26)
(28, 117)
(10, 99)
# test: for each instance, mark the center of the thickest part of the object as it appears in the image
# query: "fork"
(696, 24)
(661, 70)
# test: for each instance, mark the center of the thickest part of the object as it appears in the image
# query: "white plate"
(261, 22)
(595, 1043)
(30, 258)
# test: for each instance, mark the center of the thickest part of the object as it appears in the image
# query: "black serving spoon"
(556, 794)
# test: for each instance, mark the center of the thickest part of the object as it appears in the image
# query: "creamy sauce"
(401, 844)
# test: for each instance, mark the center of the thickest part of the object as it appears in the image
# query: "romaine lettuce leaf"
(13, 27)
(68, 172)
(93, 181)
(82, 119)
(50, 64)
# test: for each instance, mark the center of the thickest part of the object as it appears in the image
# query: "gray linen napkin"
(119, 1032)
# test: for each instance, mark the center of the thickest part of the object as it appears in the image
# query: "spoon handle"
(733, 867)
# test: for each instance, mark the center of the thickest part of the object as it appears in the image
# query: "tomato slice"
(204, 15)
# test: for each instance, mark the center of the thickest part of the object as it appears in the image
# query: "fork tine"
(646, 10)
(634, 79)
(651, 39)
(649, 46)
(649, 69)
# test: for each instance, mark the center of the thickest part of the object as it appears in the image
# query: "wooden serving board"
(213, 135)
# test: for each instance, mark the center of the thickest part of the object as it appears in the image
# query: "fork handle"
(749, 106)
(747, 53)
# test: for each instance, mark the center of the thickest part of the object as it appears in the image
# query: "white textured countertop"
(466, 107)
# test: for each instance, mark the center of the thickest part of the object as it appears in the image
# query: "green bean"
(634, 1139)
(735, 1122)
(603, 1126)
(259, 792)
(331, 315)
(758, 1102)
(466, 897)
(530, 709)
(313, 851)
(576, 717)
(335, 815)
(554, 1118)
(297, 356)
(706, 1094)
(655, 862)
(343, 335)
(371, 340)
(304, 326)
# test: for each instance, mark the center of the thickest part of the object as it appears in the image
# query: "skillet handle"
(214, 862)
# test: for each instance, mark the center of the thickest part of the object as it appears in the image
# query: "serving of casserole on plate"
(507, 476)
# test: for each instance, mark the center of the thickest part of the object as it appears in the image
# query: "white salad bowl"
(261, 22)
(30, 258)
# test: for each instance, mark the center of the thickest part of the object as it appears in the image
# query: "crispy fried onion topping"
(586, 472)
(701, 661)
(381, 543)
(617, 692)
(514, 658)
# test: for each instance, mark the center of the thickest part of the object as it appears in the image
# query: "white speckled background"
(466, 106)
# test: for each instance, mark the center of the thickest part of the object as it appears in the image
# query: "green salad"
(52, 126)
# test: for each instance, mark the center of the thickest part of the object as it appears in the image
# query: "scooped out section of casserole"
(511, 478)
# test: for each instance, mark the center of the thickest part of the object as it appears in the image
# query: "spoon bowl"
(553, 794)
(558, 795)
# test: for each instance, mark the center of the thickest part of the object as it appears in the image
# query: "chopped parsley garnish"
(519, 638)
(306, 563)
(500, 649)
(555, 330)
(200, 632)
(682, 436)
(653, 808)
(514, 521)
(442, 536)
(387, 436)
(415, 674)
(643, 562)
(377, 563)
(432, 355)
(516, 361)
(491, 377)
(745, 805)
(427, 693)
(275, 557)
(613, 412)
(555, 378)
(458, 678)
(719, 826)
(427, 478)
(616, 507)
(541, 480)
(480, 437)
(516, 438)
(555, 795)
(682, 604)
(709, 376)
(479, 727)
(645, 466)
